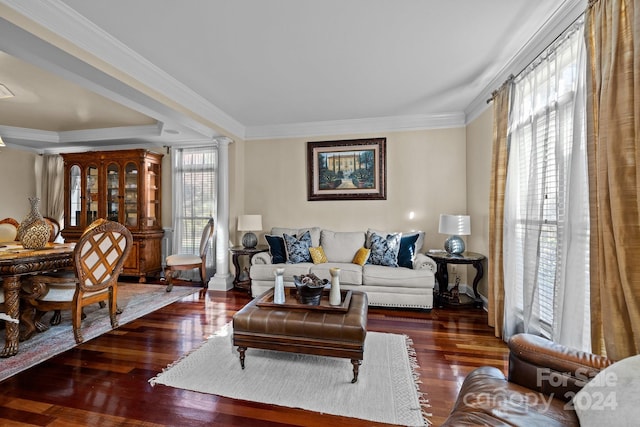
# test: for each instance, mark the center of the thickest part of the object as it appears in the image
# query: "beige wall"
(18, 182)
(479, 145)
(428, 173)
(426, 176)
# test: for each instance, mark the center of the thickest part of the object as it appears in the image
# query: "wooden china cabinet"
(122, 186)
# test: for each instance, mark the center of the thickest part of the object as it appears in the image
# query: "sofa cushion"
(317, 255)
(384, 250)
(313, 231)
(362, 256)
(407, 251)
(265, 272)
(378, 275)
(341, 246)
(298, 248)
(277, 249)
(349, 273)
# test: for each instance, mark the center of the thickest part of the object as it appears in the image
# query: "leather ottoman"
(299, 330)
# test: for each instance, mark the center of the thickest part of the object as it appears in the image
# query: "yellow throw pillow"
(317, 255)
(361, 256)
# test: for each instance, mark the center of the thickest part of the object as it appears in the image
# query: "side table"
(442, 295)
(236, 253)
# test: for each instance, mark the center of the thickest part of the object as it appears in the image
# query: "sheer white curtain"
(50, 185)
(546, 217)
(194, 174)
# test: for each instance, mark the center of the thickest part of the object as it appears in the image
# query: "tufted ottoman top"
(345, 327)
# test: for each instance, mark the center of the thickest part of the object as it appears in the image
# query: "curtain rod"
(511, 76)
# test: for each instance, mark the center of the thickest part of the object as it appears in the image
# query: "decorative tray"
(290, 301)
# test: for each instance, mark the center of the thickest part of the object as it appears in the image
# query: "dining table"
(16, 262)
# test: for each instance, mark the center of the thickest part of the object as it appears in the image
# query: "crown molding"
(567, 12)
(64, 21)
(356, 126)
(11, 132)
(88, 135)
(114, 133)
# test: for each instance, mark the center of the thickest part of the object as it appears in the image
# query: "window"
(546, 200)
(194, 173)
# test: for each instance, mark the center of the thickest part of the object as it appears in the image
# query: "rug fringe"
(422, 397)
(222, 331)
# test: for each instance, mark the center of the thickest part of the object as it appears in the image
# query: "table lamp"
(249, 223)
(455, 226)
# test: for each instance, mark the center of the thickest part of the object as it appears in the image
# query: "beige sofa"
(410, 286)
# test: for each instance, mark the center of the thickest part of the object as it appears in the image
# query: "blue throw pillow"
(384, 250)
(407, 250)
(276, 249)
(298, 249)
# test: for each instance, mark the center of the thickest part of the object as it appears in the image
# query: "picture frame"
(353, 169)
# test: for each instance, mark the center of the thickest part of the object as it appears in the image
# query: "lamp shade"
(454, 225)
(250, 223)
(459, 225)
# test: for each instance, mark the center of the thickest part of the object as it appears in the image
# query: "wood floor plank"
(105, 380)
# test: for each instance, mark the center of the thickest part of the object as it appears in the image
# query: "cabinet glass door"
(131, 194)
(92, 194)
(113, 192)
(153, 195)
(75, 196)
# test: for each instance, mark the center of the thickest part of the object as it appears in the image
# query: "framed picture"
(353, 169)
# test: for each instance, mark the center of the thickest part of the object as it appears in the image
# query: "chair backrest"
(100, 253)
(205, 240)
(8, 230)
(55, 228)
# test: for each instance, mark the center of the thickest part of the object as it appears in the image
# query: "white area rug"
(386, 390)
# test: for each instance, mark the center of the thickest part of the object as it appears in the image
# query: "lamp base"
(454, 245)
(249, 240)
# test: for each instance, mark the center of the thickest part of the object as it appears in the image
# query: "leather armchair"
(543, 377)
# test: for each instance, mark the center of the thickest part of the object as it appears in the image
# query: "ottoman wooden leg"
(241, 350)
(356, 368)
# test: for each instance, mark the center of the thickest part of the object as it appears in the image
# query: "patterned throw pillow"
(298, 249)
(384, 250)
(276, 249)
(317, 255)
(362, 256)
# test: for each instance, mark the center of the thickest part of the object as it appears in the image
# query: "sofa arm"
(424, 262)
(261, 258)
(551, 368)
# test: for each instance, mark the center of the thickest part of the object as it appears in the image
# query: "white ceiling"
(168, 72)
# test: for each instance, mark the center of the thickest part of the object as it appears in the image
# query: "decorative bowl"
(309, 288)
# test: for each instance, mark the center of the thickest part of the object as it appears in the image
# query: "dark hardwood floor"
(104, 382)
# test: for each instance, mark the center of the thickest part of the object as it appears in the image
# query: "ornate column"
(222, 280)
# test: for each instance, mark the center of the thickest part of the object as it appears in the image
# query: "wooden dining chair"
(177, 262)
(99, 255)
(54, 225)
(8, 233)
(8, 230)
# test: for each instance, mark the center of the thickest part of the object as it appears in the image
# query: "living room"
(442, 165)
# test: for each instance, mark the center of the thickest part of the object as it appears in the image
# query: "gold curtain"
(495, 273)
(612, 33)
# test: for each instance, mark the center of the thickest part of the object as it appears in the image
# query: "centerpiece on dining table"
(309, 287)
